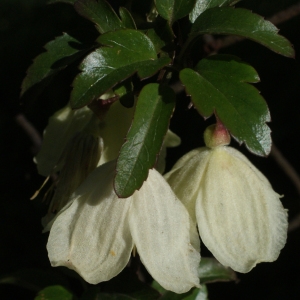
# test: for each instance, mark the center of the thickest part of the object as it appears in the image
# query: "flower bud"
(216, 135)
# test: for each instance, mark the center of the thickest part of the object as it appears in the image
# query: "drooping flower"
(95, 232)
(240, 218)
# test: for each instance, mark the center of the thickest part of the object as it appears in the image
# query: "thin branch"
(294, 177)
(31, 132)
(286, 167)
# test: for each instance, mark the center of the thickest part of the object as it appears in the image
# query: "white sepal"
(160, 227)
(92, 236)
(61, 128)
(240, 218)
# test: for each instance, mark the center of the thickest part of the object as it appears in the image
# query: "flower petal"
(240, 218)
(185, 176)
(92, 236)
(114, 129)
(171, 140)
(61, 128)
(160, 227)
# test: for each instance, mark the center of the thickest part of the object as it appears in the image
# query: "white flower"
(95, 232)
(240, 218)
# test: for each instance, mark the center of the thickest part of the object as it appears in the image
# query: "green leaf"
(173, 10)
(127, 18)
(211, 270)
(60, 53)
(220, 84)
(162, 36)
(203, 5)
(193, 294)
(242, 22)
(130, 51)
(125, 92)
(99, 12)
(55, 292)
(143, 142)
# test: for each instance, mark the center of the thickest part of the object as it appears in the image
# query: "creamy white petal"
(61, 128)
(160, 228)
(113, 130)
(171, 140)
(92, 236)
(240, 218)
(185, 177)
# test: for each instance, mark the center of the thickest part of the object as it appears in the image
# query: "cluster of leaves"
(50, 285)
(156, 47)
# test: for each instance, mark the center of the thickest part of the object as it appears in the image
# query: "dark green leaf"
(158, 287)
(162, 36)
(203, 5)
(127, 19)
(220, 84)
(60, 53)
(55, 292)
(125, 92)
(211, 270)
(173, 10)
(65, 1)
(193, 294)
(242, 22)
(129, 51)
(138, 154)
(99, 12)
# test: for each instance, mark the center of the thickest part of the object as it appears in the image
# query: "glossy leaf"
(219, 84)
(55, 292)
(203, 5)
(125, 93)
(143, 142)
(173, 10)
(99, 12)
(211, 270)
(60, 53)
(242, 22)
(129, 51)
(127, 18)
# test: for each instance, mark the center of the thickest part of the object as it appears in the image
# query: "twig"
(286, 167)
(294, 177)
(31, 132)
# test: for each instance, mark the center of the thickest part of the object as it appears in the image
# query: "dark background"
(25, 26)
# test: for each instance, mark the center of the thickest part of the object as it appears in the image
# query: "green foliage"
(130, 51)
(173, 10)
(61, 52)
(219, 84)
(210, 270)
(135, 45)
(202, 5)
(55, 292)
(144, 139)
(100, 13)
(244, 23)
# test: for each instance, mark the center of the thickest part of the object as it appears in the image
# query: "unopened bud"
(216, 135)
